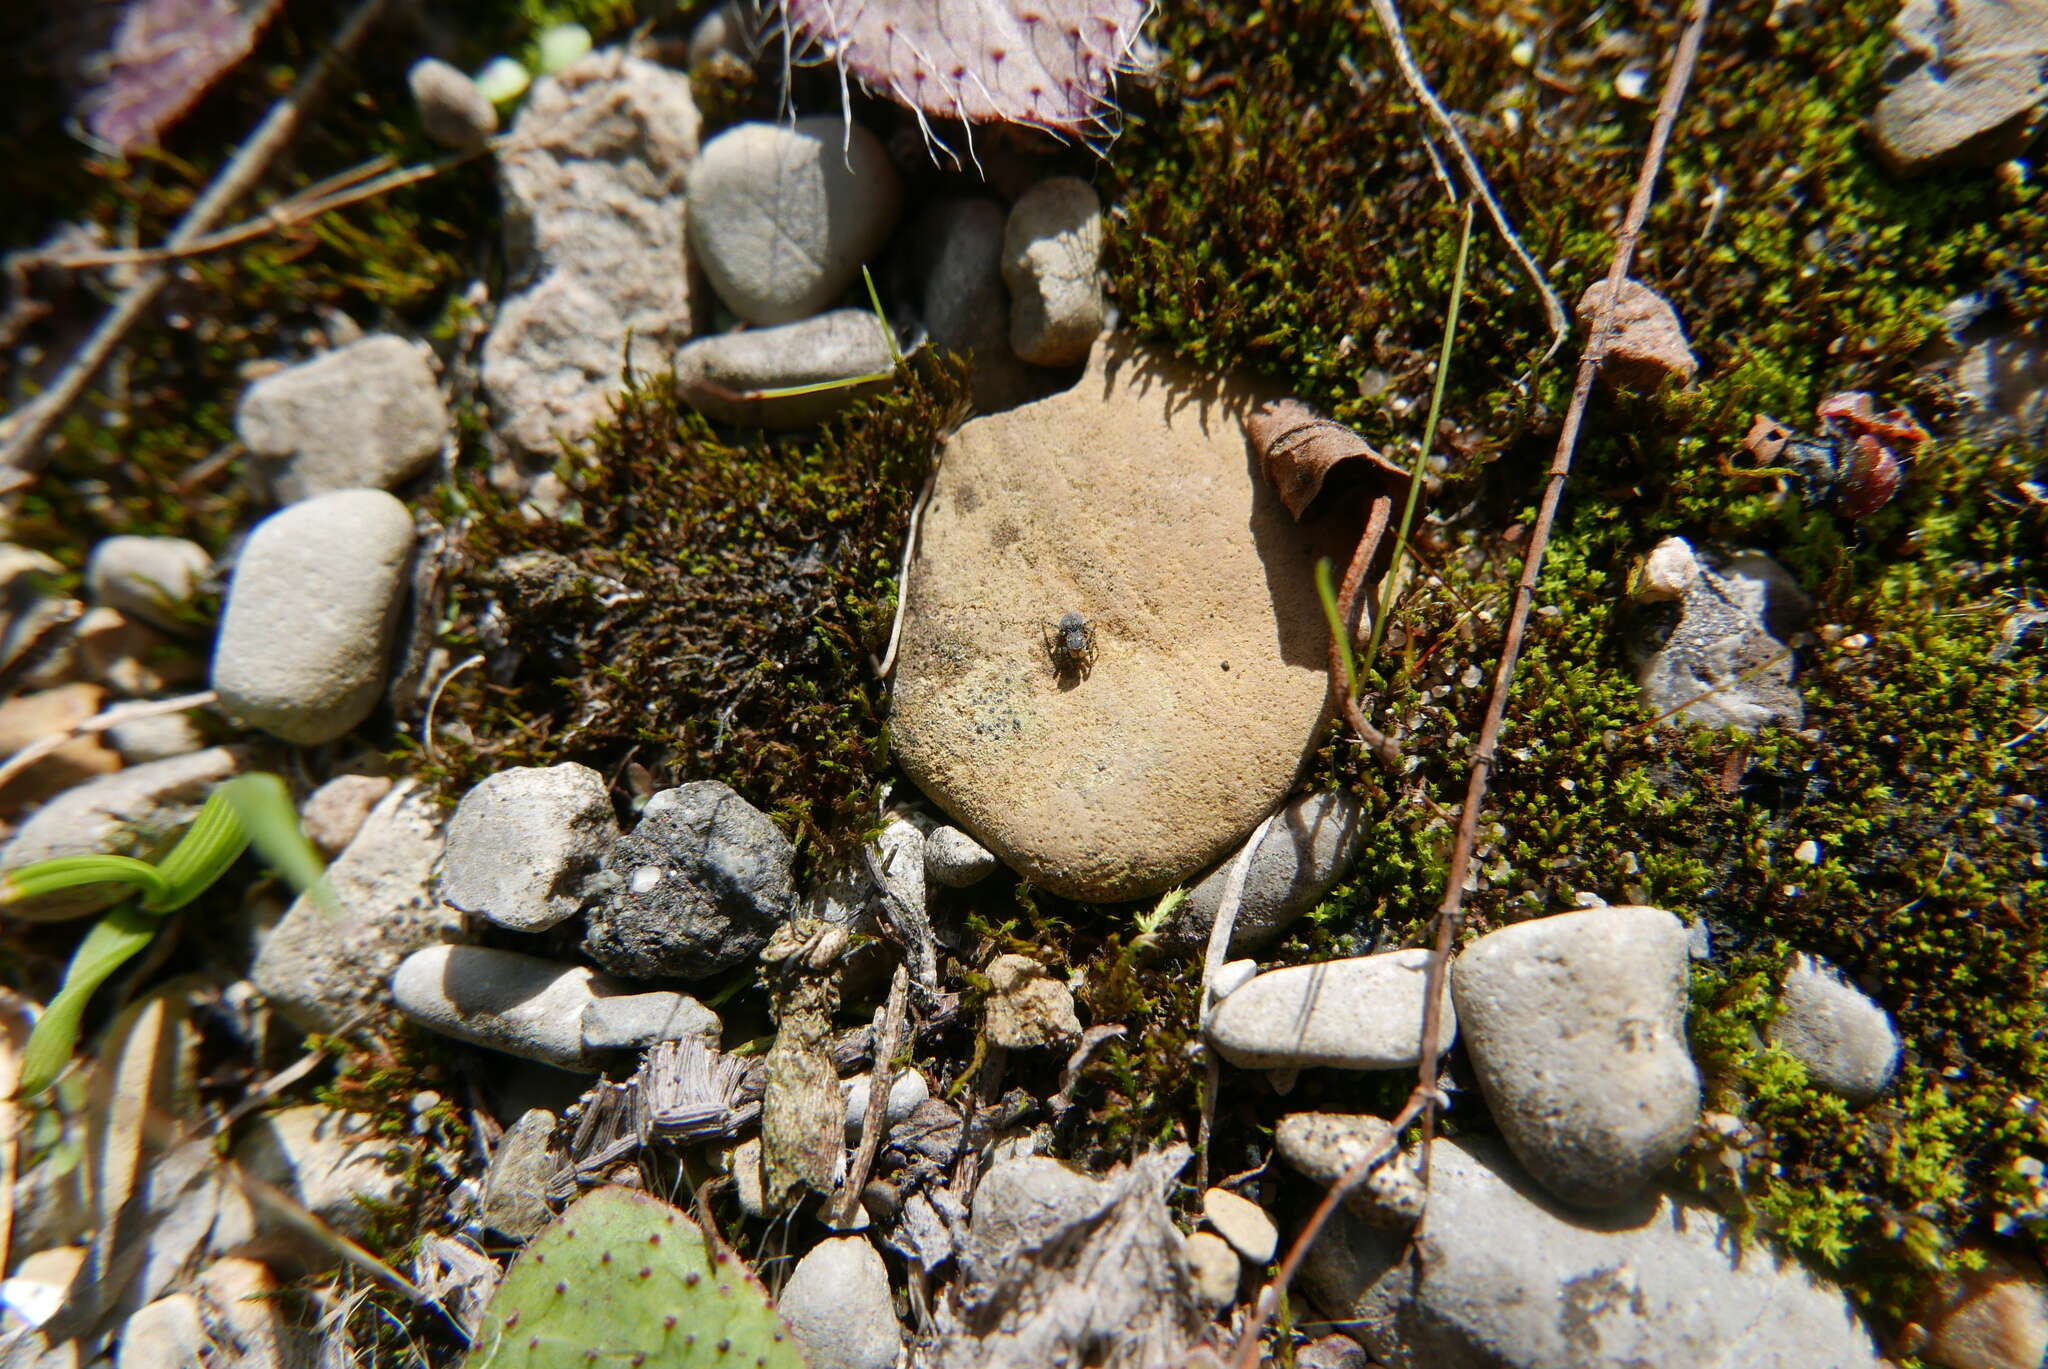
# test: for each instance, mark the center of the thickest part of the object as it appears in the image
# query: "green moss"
(707, 608)
(1272, 218)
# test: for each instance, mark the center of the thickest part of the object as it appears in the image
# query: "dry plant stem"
(1220, 932)
(21, 440)
(888, 1045)
(1422, 1100)
(1348, 591)
(1404, 61)
(100, 722)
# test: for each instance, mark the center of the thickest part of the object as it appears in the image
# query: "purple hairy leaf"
(165, 55)
(1049, 64)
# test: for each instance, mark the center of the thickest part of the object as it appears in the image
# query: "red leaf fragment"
(165, 56)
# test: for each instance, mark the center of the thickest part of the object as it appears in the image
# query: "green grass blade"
(1328, 593)
(113, 941)
(214, 841)
(818, 387)
(267, 814)
(1436, 408)
(71, 872)
(882, 319)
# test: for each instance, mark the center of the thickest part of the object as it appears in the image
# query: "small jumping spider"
(1071, 644)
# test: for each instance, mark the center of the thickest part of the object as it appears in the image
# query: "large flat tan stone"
(1133, 499)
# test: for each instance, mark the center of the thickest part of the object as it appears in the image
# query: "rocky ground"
(790, 606)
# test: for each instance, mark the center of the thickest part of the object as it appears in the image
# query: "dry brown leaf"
(1306, 457)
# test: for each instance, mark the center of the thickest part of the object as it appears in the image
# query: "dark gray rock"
(1711, 645)
(699, 885)
(1309, 847)
(1505, 1278)
(1575, 1025)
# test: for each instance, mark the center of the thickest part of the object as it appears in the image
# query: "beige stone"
(1990, 1318)
(1648, 342)
(1026, 1006)
(28, 718)
(1132, 500)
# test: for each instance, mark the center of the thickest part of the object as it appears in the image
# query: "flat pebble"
(956, 860)
(1845, 1040)
(167, 1332)
(155, 579)
(515, 1186)
(504, 1001)
(1500, 1278)
(157, 738)
(333, 814)
(782, 216)
(722, 376)
(1995, 1317)
(1027, 1007)
(907, 1092)
(1364, 1013)
(1215, 1267)
(1052, 261)
(325, 1159)
(1310, 846)
(1325, 1145)
(525, 844)
(838, 1307)
(1575, 1025)
(305, 639)
(1709, 645)
(321, 968)
(592, 177)
(366, 416)
(453, 110)
(1243, 1223)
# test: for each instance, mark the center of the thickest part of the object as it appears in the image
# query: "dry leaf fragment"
(1049, 64)
(1304, 455)
(164, 57)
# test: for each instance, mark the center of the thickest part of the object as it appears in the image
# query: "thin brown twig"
(1423, 1099)
(874, 1125)
(1378, 516)
(21, 437)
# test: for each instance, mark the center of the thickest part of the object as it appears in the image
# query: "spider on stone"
(1071, 644)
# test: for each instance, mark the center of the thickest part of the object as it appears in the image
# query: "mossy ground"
(1268, 216)
(1273, 218)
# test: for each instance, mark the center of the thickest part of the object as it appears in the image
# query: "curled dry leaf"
(1049, 64)
(1857, 463)
(1305, 455)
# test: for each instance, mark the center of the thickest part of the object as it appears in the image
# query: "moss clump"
(707, 607)
(1272, 218)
